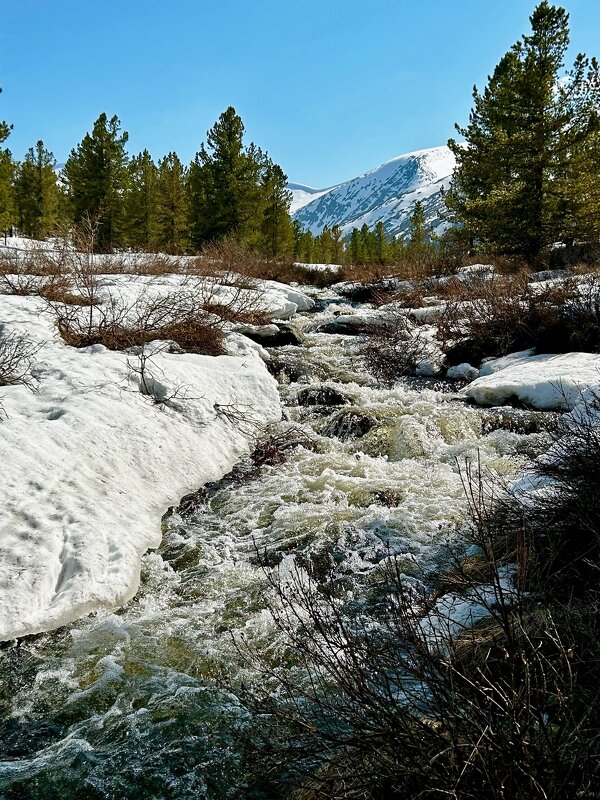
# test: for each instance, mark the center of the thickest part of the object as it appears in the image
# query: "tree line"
(370, 245)
(526, 180)
(230, 188)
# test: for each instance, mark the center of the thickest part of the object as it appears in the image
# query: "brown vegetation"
(17, 353)
(116, 325)
(508, 314)
(395, 348)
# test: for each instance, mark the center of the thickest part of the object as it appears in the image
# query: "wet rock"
(519, 420)
(287, 335)
(23, 738)
(388, 499)
(274, 335)
(349, 425)
(412, 439)
(322, 396)
(360, 292)
(428, 368)
(285, 370)
(347, 325)
(323, 303)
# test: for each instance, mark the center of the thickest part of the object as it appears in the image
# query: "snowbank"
(273, 300)
(491, 365)
(90, 463)
(544, 382)
(462, 371)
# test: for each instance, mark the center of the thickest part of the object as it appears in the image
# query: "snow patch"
(90, 462)
(544, 382)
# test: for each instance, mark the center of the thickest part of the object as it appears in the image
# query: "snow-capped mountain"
(302, 195)
(387, 193)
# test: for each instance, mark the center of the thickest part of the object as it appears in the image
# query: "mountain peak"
(387, 194)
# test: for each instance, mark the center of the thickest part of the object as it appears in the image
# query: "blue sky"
(330, 88)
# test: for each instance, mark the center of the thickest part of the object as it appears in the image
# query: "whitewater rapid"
(122, 704)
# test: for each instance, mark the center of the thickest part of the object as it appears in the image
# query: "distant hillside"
(387, 193)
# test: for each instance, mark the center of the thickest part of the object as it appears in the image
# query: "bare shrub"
(59, 289)
(404, 701)
(461, 289)
(62, 271)
(313, 276)
(20, 284)
(30, 272)
(560, 526)
(118, 326)
(240, 415)
(192, 316)
(506, 314)
(40, 258)
(55, 287)
(274, 449)
(496, 317)
(152, 381)
(567, 317)
(230, 261)
(17, 353)
(411, 296)
(418, 263)
(158, 264)
(364, 273)
(395, 349)
(487, 688)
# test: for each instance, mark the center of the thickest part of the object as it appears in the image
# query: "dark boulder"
(322, 396)
(349, 425)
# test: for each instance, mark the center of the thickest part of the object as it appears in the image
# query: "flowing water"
(121, 705)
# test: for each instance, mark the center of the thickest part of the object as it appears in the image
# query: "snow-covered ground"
(269, 298)
(90, 462)
(543, 382)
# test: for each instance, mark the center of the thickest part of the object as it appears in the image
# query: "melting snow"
(90, 463)
(544, 382)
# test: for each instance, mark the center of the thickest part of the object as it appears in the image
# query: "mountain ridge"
(387, 193)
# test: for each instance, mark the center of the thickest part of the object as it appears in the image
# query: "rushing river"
(121, 705)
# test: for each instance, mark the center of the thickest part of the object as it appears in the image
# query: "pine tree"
(337, 245)
(96, 172)
(6, 178)
(37, 194)
(303, 244)
(382, 245)
(276, 229)
(419, 250)
(583, 189)
(356, 252)
(512, 188)
(173, 205)
(224, 181)
(418, 232)
(368, 244)
(140, 213)
(324, 246)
